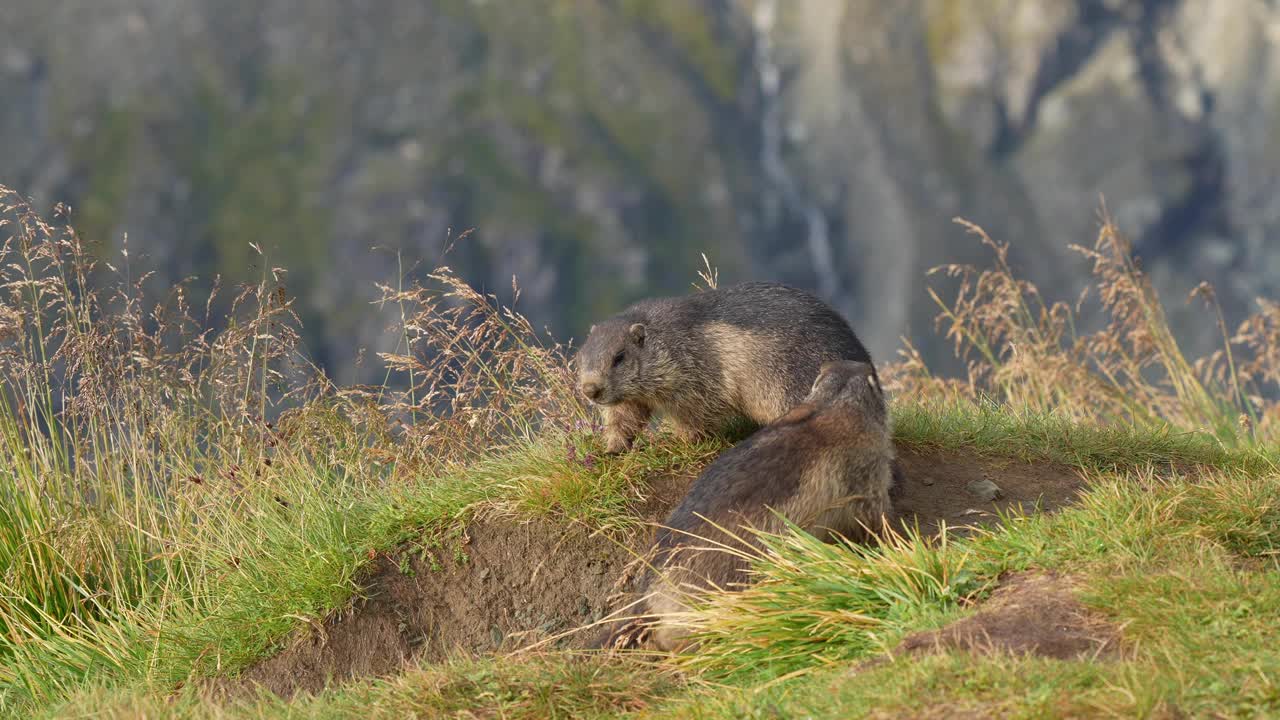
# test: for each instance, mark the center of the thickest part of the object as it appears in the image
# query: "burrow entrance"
(524, 582)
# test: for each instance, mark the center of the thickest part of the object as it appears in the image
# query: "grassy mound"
(183, 497)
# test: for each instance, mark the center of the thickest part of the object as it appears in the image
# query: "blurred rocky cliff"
(599, 146)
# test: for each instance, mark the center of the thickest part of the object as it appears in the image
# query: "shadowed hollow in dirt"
(522, 582)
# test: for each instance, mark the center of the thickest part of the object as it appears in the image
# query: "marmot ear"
(637, 333)
(593, 329)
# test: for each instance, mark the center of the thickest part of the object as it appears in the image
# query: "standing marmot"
(711, 358)
(826, 466)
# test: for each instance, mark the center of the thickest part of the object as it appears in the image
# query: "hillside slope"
(195, 521)
(1155, 593)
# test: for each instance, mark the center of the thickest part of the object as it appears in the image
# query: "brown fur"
(826, 466)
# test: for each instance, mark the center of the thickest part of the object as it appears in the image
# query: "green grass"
(822, 610)
(1160, 558)
(534, 687)
(1185, 563)
(304, 561)
(987, 428)
(1199, 631)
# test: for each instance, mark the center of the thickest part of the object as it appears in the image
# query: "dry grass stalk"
(145, 434)
(1029, 353)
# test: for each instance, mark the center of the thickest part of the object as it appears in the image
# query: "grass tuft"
(813, 604)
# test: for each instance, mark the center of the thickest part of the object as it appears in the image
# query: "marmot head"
(853, 386)
(609, 362)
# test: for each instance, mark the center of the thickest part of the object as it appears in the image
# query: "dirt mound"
(1029, 614)
(501, 586)
(514, 583)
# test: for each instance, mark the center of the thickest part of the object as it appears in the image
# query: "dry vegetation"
(1027, 352)
(144, 442)
(180, 486)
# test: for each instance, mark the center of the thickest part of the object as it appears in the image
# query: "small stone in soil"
(984, 490)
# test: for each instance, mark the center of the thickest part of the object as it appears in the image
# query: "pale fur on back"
(746, 383)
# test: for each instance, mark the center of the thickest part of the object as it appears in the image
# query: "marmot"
(710, 359)
(826, 466)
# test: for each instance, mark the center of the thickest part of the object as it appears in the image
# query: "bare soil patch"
(1029, 614)
(940, 486)
(514, 583)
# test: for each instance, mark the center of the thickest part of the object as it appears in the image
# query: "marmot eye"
(617, 359)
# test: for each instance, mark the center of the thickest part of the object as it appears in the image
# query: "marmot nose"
(592, 390)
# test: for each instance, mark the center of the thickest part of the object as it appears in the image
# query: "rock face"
(599, 146)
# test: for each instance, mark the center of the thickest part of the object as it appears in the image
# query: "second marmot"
(826, 466)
